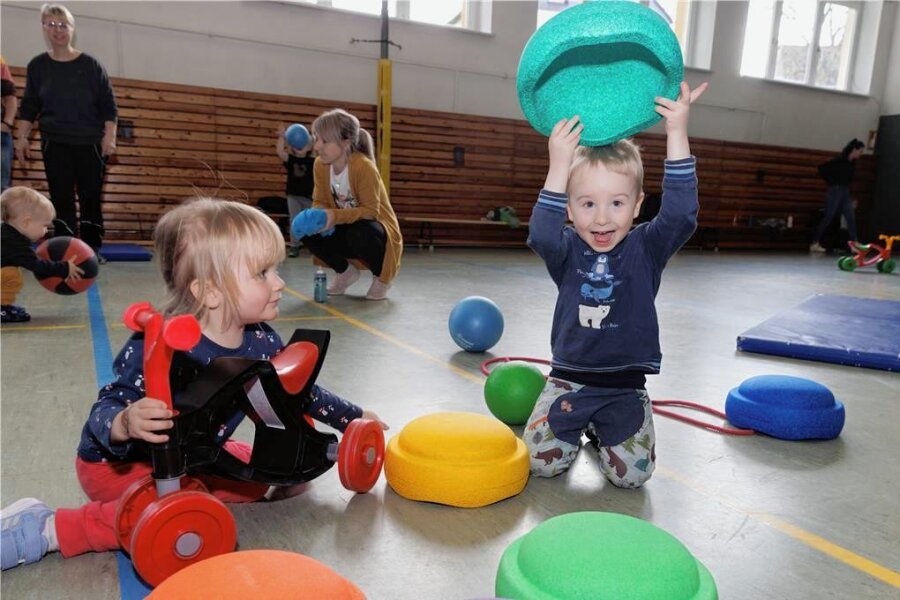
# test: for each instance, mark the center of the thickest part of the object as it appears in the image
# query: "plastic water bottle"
(320, 289)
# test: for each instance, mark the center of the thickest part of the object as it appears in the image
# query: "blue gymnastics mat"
(124, 252)
(861, 332)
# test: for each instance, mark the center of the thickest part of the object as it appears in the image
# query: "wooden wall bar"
(189, 140)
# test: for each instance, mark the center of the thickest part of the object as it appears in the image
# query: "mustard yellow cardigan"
(374, 204)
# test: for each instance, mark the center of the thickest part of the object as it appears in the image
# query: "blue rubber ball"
(297, 136)
(476, 324)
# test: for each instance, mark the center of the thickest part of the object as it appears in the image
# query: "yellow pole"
(383, 122)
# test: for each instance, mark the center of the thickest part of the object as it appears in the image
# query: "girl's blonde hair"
(205, 240)
(20, 200)
(338, 125)
(623, 157)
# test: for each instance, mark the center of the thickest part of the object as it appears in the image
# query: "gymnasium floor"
(769, 518)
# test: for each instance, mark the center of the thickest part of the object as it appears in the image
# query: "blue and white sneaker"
(22, 539)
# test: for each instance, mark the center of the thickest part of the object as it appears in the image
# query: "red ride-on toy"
(865, 255)
(169, 521)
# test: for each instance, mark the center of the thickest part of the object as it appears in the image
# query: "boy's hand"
(141, 421)
(562, 145)
(676, 113)
(368, 414)
(75, 272)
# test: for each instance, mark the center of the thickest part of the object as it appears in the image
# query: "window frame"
(813, 53)
(481, 16)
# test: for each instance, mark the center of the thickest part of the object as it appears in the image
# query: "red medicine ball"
(64, 248)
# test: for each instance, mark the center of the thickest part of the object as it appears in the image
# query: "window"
(801, 41)
(466, 14)
(677, 13)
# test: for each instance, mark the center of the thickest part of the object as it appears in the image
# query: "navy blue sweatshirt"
(16, 251)
(605, 318)
(74, 99)
(260, 342)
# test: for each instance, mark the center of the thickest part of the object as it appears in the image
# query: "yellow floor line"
(847, 557)
(8, 329)
(389, 338)
(810, 539)
(318, 318)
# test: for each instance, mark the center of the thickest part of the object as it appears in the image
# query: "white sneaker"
(343, 280)
(378, 290)
(816, 247)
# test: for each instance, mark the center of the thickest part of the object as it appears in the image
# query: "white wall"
(891, 103)
(306, 51)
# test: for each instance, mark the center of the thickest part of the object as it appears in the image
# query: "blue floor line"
(131, 587)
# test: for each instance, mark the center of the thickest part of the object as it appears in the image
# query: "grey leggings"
(837, 198)
(628, 464)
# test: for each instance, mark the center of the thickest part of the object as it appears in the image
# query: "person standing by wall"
(838, 173)
(10, 104)
(69, 93)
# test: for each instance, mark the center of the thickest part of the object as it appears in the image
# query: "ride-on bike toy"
(170, 520)
(865, 255)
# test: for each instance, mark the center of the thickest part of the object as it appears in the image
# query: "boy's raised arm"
(676, 113)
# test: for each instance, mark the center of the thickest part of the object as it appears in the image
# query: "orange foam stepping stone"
(257, 574)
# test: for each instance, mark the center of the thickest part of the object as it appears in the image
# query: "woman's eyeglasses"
(55, 25)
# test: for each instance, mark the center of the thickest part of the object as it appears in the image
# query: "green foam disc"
(601, 556)
(605, 61)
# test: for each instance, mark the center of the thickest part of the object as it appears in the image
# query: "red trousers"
(91, 528)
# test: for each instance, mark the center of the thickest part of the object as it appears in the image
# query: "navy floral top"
(260, 342)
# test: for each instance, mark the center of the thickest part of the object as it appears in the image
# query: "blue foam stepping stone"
(310, 222)
(604, 61)
(112, 251)
(600, 556)
(790, 408)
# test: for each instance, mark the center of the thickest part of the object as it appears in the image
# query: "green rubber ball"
(511, 391)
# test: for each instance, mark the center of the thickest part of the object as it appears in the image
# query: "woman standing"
(69, 93)
(350, 190)
(838, 173)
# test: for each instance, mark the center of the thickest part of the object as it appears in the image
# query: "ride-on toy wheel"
(361, 455)
(138, 497)
(847, 263)
(887, 266)
(178, 530)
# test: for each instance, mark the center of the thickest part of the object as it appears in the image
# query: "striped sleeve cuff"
(554, 201)
(683, 169)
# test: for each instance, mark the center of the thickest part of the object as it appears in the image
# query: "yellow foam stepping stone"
(456, 458)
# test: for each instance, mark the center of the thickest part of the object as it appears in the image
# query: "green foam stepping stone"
(601, 556)
(605, 61)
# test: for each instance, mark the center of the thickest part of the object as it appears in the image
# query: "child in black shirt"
(298, 162)
(26, 216)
